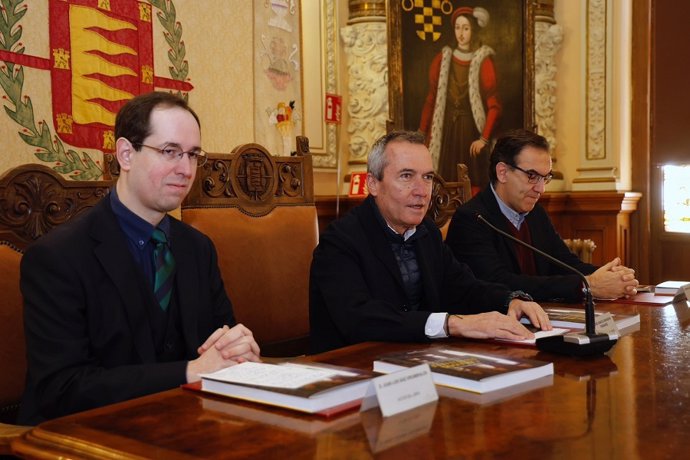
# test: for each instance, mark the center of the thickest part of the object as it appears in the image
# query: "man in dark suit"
(383, 273)
(520, 168)
(124, 300)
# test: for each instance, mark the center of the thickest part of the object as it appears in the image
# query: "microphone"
(588, 343)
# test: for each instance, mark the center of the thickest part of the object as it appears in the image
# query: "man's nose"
(540, 186)
(421, 187)
(185, 165)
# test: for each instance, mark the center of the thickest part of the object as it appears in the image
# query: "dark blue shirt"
(138, 234)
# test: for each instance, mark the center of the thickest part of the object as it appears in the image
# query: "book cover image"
(295, 378)
(456, 363)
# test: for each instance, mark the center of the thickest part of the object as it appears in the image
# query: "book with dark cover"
(303, 386)
(468, 370)
(574, 318)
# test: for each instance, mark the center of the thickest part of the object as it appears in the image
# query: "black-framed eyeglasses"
(534, 177)
(173, 153)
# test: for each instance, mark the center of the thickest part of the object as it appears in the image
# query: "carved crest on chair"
(252, 179)
(447, 196)
(254, 173)
(34, 199)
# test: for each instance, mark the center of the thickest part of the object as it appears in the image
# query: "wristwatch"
(522, 295)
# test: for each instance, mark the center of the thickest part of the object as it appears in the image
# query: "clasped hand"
(224, 348)
(613, 280)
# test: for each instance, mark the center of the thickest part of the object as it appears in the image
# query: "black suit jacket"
(89, 341)
(492, 257)
(357, 292)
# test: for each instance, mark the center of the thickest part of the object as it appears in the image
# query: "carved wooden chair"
(259, 211)
(33, 200)
(581, 248)
(447, 196)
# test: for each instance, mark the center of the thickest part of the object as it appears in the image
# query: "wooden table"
(632, 403)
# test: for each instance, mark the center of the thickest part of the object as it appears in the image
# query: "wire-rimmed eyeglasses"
(174, 153)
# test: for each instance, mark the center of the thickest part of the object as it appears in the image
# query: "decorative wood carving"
(596, 79)
(252, 180)
(447, 196)
(34, 199)
(366, 51)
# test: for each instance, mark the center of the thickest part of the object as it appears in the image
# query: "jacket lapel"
(381, 247)
(112, 252)
(186, 285)
(497, 218)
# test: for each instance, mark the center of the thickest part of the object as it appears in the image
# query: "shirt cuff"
(435, 326)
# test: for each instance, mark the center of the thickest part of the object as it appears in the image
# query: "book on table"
(538, 334)
(493, 397)
(574, 318)
(304, 386)
(669, 287)
(468, 370)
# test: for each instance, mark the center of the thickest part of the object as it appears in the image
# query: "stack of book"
(303, 386)
(468, 370)
(574, 318)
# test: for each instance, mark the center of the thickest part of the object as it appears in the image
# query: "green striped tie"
(164, 264)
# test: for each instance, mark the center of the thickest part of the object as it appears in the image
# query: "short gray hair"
(377, 162)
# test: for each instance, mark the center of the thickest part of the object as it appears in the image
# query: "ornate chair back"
(259, 211)
(33, 200)
(447, 196)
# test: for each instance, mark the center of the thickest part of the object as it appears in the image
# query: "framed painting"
(462, 73)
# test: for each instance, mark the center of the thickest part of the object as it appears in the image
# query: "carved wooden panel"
(253, 180)
(447, 196)
(34, 199)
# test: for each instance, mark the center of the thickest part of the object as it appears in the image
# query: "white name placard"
(604, 324)
(401, 391)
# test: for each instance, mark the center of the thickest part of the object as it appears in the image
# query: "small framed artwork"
(462, 73)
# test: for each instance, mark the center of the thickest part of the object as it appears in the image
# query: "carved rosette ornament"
(367, 64)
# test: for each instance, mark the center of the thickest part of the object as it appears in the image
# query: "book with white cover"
(669, 287)
(468, 370)
(303, 386)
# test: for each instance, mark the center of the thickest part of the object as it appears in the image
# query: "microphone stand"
(575, 344)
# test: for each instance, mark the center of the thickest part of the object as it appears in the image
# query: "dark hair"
(133, 121)
(377, 162)
(510, 144)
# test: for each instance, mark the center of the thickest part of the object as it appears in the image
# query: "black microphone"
(576, 344)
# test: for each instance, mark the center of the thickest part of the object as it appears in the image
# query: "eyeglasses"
(534, 177)
(173, 153)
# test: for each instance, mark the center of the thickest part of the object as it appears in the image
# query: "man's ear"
(372, 184)
(502, 172)
(124, 151)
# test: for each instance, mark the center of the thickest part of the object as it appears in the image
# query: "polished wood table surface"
(632, 403)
